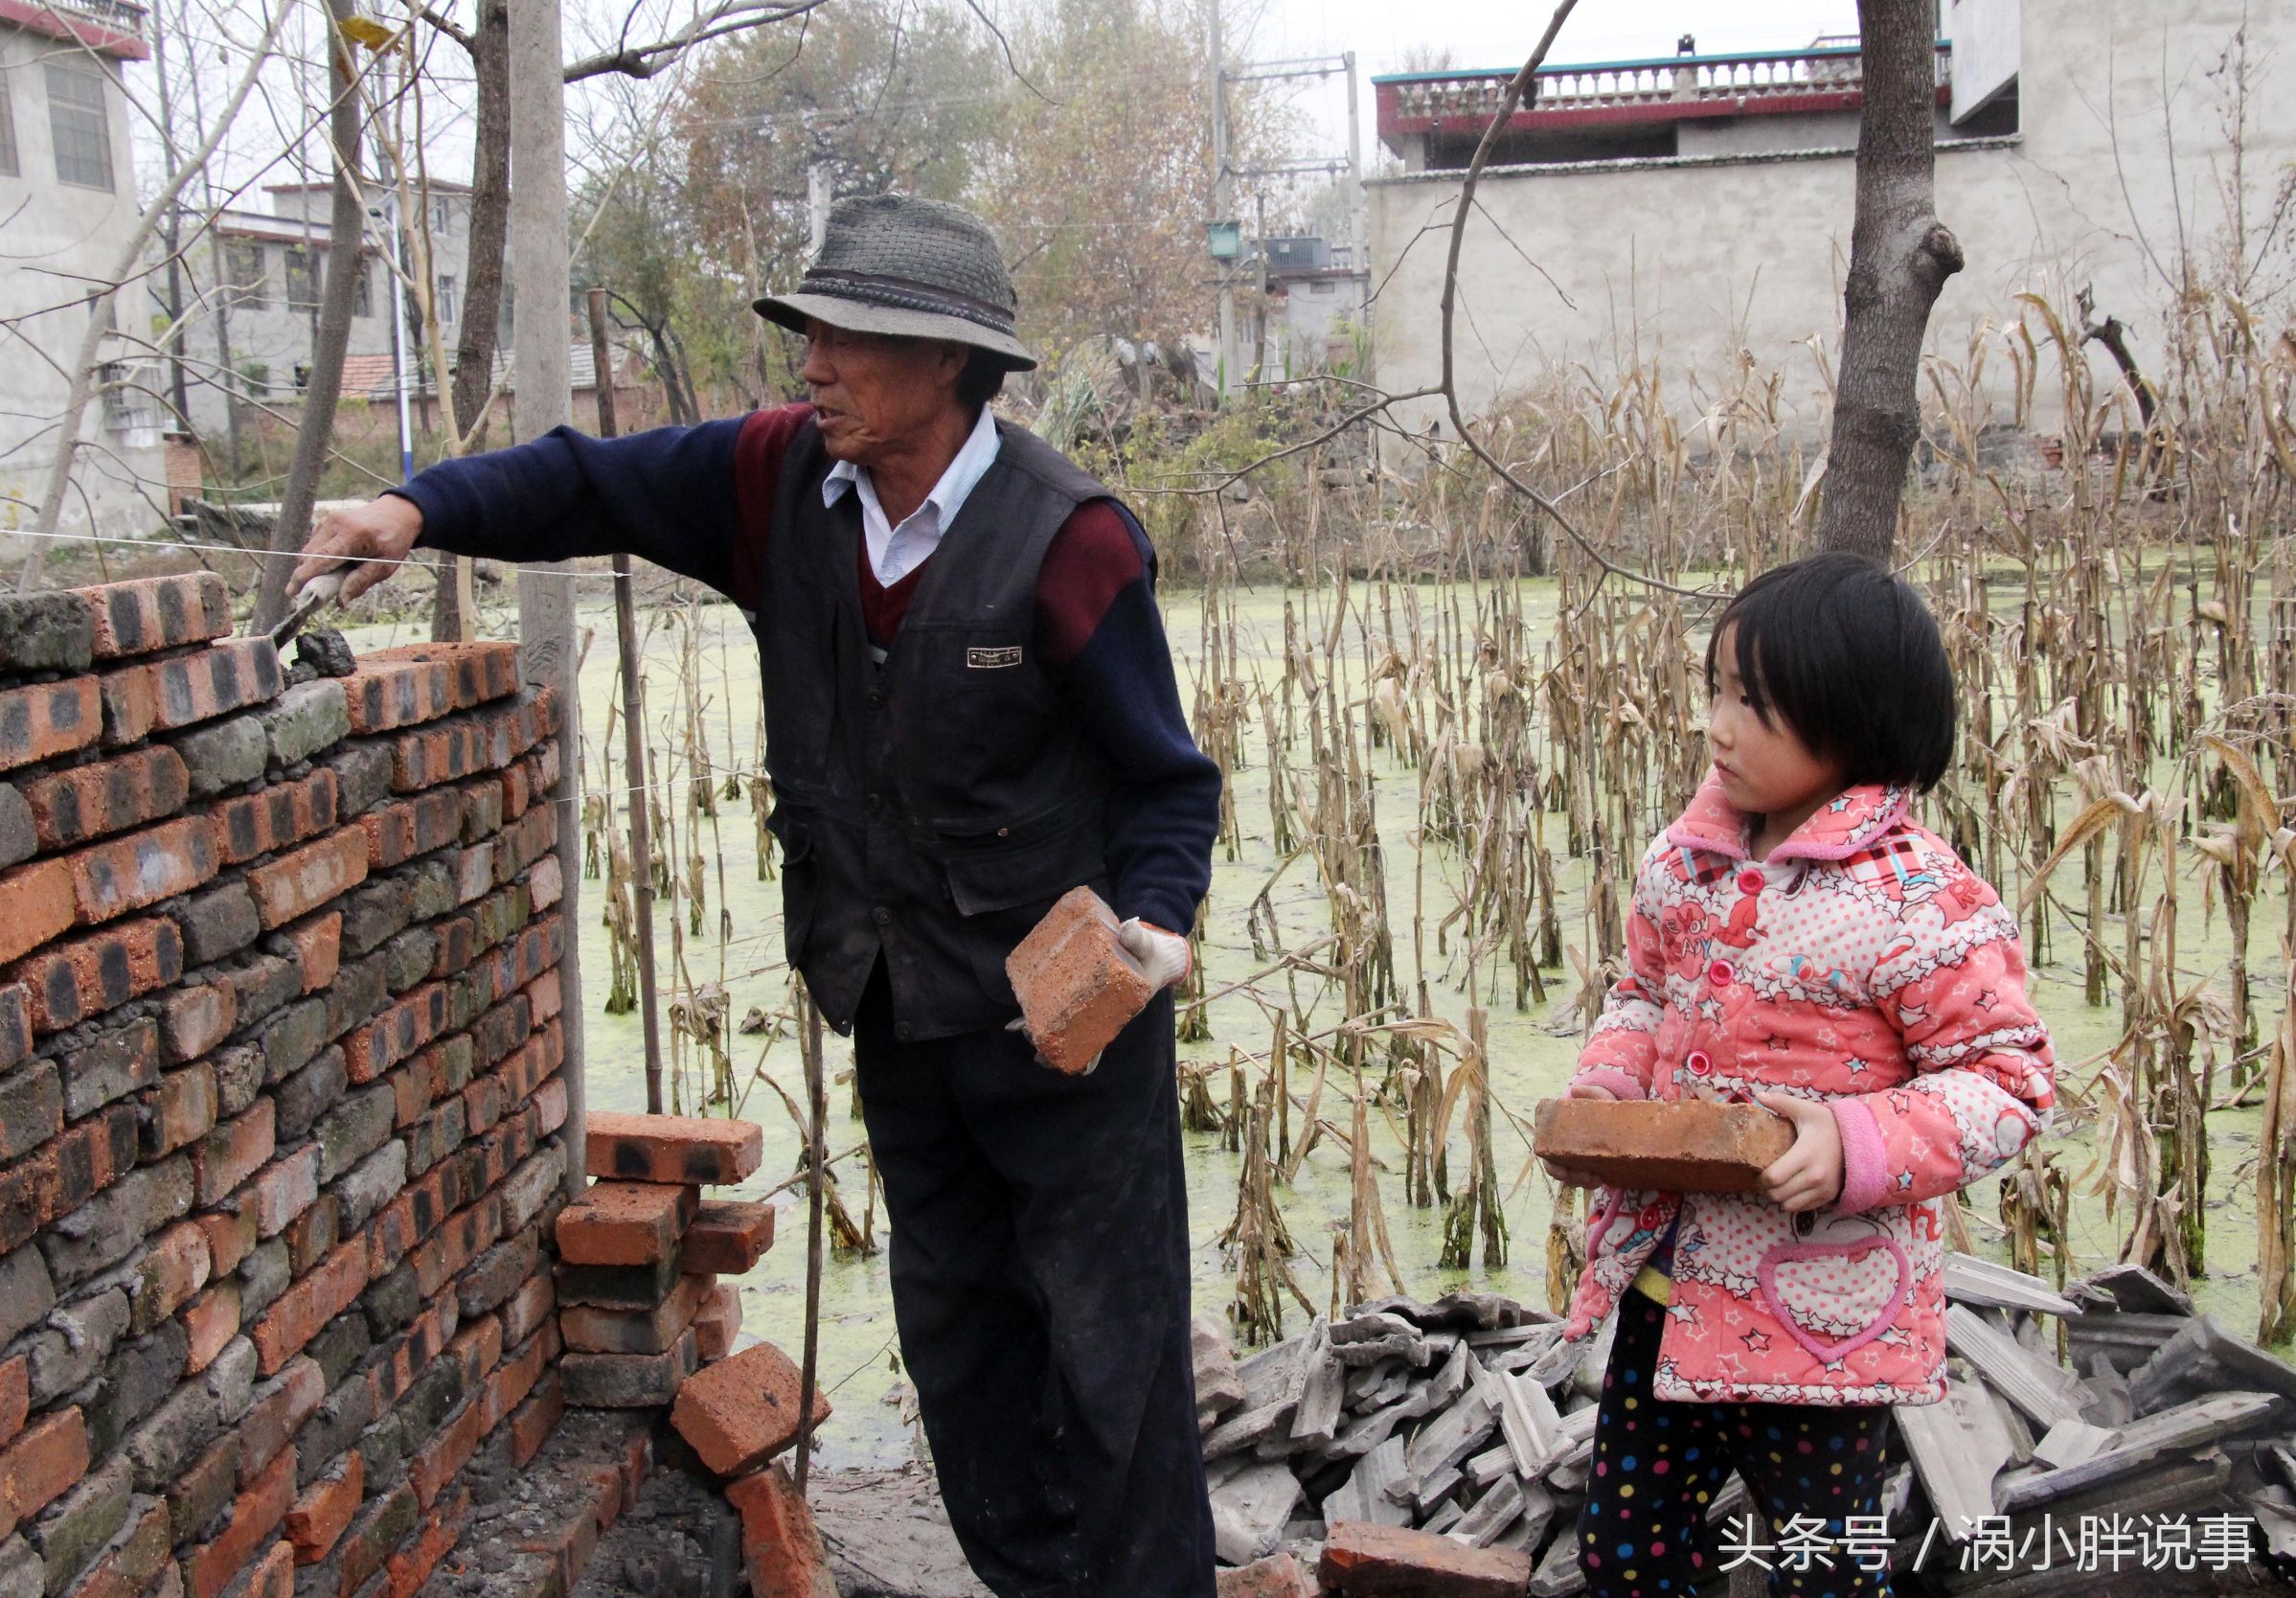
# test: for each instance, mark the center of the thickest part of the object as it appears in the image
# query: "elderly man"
(969, 709)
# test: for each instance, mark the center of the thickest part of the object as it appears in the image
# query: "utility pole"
(406, 423)
(542, 366)
(818, 199)
(1222, 202)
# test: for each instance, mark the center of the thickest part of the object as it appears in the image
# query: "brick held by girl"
(1798, 939)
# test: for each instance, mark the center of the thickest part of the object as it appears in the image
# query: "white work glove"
(1162, 955)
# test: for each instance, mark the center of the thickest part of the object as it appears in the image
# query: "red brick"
(234, 1152)
(1686, 1146)
(286, 1326)
(47, 1458)
(718, 1323)
(1367, 1560)
(437, 753)
(319, 1515)
(127, 874)
(295, 884)
(131, 706)
(511, 1382)
(65, 1173)
(533, 1421)
(15, 1397)
(281, 1190)
(48, 719)
(374, 1046)
(384, 694)
(398, 832)
(742, 1411)
(193, 1020)
(318, 945)
(466, 1233)
(409, 1569)
(682, 1149)
(728, 1237)
(174, 1266)
(780, 1542)
(518, 791)
(212, 1320)
(476, 671)
(145, 615)
(270, 1576)
(179, 1112)
(231, 1234)
(1277, 1576)
(16, 1024)
(449, 1448)
(134, 1560)
(223, 677)
(1078, 987)
(107, 796)
(69, 982)
(36, 902)
(276, 1414)
(407, 1354)
(546, 882)
(625, 1224)
(279, 817)
(588, 1330)
(550, 1106)
(250, 1530)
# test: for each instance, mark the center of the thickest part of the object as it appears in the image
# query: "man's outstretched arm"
(667, 496)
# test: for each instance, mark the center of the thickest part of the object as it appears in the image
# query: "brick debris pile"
(1445, 1448)
(279, 1099)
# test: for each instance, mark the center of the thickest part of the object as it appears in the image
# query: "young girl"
(1799, 940)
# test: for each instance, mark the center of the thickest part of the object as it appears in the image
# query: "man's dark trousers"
(1040, 1287)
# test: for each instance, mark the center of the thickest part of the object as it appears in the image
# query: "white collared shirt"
(895, 552)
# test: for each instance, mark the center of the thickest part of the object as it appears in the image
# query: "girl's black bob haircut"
(1850, 659)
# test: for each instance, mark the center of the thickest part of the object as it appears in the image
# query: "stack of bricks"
(641, 1254)
(279, 1100)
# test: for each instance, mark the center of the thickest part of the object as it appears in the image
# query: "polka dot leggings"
(1657, 1466)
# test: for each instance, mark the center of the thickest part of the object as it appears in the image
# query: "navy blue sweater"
(698, 500)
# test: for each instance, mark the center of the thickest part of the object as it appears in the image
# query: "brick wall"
(280, 1102)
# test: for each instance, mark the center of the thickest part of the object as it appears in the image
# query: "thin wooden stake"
(817, 1181)
(633, 733)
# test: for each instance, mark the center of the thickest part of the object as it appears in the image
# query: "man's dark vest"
(932, 807)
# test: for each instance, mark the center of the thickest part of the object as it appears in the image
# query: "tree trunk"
(346, 260)
(1900, 256)
(482, 277)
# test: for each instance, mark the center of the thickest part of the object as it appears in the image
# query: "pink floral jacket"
(1863, 965)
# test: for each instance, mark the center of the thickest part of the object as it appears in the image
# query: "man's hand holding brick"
(1163, 955)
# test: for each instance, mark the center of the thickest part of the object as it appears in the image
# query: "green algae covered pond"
(704, 658)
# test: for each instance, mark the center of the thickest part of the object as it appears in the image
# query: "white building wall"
(62, 239)
(275, 335)
(1702, 265)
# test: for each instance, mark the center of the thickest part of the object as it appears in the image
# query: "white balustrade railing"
(1723, 82)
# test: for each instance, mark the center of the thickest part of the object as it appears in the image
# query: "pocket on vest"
(1009, 875)
(800, 879)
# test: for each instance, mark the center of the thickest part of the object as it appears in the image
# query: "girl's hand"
(1570, 1176)
(1808, 1175)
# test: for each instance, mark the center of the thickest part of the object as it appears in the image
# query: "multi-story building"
(67, 194)
(1695, 211)
(254, 292)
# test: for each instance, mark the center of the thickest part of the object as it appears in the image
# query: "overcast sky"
(1500, 34)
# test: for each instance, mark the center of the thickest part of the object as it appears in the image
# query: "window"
(438, 216)
(7, 132)
(82, 128)
(446, 302)
(243, 268)
(303, 279)
(362, 297)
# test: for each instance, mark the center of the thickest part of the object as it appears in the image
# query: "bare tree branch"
(727, 16)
